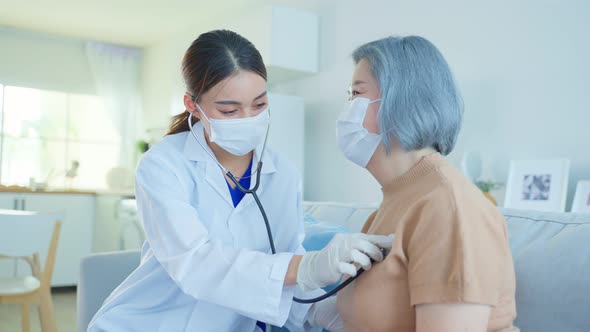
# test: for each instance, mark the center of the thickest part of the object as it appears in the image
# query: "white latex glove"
(325, 315)
(325, 267)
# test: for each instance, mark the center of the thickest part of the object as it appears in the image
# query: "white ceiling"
(128, 22)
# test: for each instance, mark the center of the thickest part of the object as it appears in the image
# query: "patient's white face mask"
(354, 140)
(238, 136)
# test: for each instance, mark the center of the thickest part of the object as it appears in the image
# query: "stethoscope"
(263, 212)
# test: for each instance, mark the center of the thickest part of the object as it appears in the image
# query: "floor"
(64, 301)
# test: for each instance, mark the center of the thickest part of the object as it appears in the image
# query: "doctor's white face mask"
(354, 140)
(238, 136)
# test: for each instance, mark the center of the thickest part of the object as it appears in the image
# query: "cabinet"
(287, 38)
(12, 201)
(110, 233)
(75, 239)
(8, 201)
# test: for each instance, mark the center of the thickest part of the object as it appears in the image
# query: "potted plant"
(486, 186)
(142, 146)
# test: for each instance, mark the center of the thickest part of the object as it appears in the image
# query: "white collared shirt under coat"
(207, 266)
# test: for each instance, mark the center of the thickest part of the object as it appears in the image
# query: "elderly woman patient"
(450, 268)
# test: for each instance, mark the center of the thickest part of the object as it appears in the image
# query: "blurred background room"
(86, 87)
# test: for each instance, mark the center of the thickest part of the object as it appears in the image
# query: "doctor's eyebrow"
(357, 82)
(232, 102)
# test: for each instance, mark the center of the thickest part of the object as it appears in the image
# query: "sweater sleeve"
(451, 258)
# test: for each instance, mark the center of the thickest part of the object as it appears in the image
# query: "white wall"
(522, 68)
(163, 86)
(43, 61)
(161, 81)
(261, 23)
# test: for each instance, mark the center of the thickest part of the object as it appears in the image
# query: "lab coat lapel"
(213, 174)
(215, 179)
(268, 167)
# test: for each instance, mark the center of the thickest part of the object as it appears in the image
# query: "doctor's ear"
(190, 106)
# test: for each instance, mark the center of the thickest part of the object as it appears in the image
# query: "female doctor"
(207, 263)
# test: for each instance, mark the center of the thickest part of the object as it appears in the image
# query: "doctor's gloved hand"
(325, 267)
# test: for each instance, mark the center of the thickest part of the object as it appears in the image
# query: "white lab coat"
(207, 266)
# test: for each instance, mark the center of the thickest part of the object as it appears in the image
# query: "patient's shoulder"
(452, 201)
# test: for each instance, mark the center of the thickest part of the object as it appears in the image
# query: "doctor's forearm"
(291, 277)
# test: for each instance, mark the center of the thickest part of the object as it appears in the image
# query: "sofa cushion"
(318, 233)
(357, 219)
(551, 254)
(332, 212)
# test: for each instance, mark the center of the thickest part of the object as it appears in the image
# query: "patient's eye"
(352, 94)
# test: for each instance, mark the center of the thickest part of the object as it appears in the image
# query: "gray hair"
(420, 106)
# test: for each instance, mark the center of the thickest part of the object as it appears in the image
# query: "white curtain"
(116, 75)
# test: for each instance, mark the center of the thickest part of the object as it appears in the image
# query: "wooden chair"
(35, 289)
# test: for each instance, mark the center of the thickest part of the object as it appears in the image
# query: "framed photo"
(582, 198)
(537, 185)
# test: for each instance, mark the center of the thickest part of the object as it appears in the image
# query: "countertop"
(24, 190)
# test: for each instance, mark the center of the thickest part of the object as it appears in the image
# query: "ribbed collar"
(425, 166)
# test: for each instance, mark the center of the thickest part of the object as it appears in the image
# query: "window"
(44, 132)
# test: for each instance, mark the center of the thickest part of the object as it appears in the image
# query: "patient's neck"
(386, 167)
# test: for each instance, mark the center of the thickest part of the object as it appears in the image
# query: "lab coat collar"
(193, 151)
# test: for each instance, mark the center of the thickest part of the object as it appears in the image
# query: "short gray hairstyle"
(421, 105)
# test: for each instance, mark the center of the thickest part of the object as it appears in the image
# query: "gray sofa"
(552, 263)
(551, 255)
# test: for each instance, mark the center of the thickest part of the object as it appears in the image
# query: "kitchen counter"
(19, 189)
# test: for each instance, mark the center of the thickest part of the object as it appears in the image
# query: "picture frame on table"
(582, 198)
(538, 185)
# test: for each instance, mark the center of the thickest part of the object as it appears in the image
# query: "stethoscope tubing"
(252, 192)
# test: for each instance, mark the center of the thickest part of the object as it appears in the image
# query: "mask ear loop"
(194, 100)
(190, 126)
